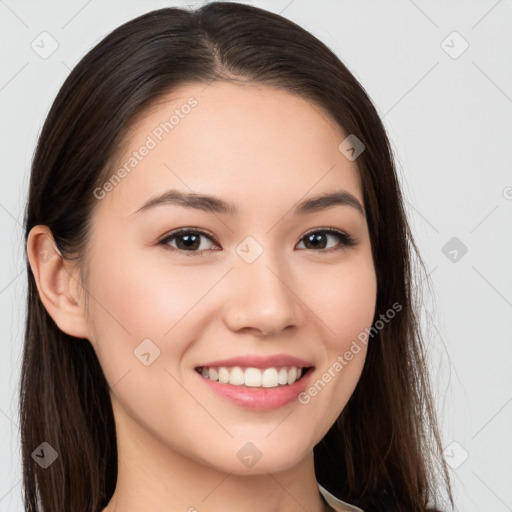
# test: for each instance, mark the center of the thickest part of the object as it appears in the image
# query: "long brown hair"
(384, 451)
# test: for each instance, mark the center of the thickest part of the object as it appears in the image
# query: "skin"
(265, 150)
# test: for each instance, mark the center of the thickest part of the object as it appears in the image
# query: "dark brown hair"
(384, 451)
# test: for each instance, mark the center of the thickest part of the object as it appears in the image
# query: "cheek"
(346, 302)
(346, 308)
(143, 297)
(138, 296)
(134, 307)
(129, 305)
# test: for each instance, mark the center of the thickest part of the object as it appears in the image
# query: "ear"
(57, 283)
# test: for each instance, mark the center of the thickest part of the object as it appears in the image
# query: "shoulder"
(336, 503)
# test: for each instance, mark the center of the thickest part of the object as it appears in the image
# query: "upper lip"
(258, 361)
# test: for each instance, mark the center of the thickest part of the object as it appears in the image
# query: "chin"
(249, 459)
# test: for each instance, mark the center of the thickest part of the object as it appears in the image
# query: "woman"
(220, 311)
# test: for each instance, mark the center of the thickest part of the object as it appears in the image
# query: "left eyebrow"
(324, 201)
(216, 205)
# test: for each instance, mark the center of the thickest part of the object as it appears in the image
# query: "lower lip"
(260, 399)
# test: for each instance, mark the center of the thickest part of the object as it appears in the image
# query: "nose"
(262, 299)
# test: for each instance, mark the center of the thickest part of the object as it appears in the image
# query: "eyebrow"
(216, 205)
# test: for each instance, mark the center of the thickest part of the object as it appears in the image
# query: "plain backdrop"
(440, 76)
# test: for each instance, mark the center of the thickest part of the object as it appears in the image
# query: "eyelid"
(329, 229)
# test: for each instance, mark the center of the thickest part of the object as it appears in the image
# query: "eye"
(187, 240)
(318, 239)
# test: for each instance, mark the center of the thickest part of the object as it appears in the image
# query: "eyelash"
(346, 240)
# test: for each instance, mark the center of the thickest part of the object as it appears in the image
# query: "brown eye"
(319, 239)
(187, 240)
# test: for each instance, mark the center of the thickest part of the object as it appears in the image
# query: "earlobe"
(57, 282)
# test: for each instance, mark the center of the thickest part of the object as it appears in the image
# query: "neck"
(153, 476)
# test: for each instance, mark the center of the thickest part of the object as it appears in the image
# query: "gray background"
(450, 121)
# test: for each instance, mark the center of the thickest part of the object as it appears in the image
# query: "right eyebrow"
(190, 200)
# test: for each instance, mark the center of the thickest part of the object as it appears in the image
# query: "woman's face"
(270, 283)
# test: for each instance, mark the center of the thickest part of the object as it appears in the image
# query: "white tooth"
(292, 375)
(282, 377)
(252, 377)
(236, 376)
(223, 375)
(269, 378)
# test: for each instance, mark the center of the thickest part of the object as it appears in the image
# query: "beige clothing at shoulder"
(336, 503)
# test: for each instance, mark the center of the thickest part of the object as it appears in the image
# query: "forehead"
(252, 142)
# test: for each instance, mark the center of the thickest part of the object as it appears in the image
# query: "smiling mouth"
(271, 377)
